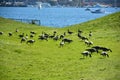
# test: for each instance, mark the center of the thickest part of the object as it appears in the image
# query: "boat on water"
(98, 11)
(87, 9)
(39, 6)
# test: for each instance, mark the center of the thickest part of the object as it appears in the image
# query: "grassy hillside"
(45, 60)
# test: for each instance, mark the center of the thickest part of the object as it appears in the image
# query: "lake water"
(54, 17)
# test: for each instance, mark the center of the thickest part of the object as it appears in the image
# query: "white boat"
(39, 6)
(98, 11)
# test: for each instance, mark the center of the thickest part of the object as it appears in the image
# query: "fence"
(30, 21)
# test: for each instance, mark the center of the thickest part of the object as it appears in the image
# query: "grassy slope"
(46, 61)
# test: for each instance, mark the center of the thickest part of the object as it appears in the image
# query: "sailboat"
(115, 4)
(39, 6)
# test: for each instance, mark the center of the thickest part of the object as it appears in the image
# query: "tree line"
(66, 2)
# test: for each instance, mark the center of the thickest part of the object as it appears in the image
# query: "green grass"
(45, 60)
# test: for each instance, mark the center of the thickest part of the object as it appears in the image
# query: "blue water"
(54, 17)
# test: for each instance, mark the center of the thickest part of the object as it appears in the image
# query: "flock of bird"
(45, 36)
